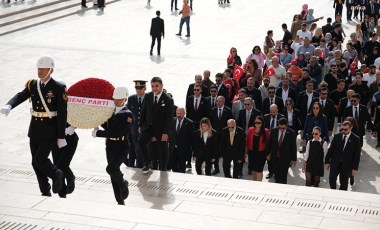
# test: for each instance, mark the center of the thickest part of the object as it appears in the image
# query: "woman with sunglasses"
(292, 115)
(314, 118)
(256, 141)
(316, 150)
(233, 59)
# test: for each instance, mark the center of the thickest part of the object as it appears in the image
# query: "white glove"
(61, 143)
(94, 132)
(6, 110)
(70, 130)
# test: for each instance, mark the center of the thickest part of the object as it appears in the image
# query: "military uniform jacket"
(133, 105)
(45, 128)
(117, 125)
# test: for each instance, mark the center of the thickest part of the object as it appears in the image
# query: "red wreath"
(92, 88)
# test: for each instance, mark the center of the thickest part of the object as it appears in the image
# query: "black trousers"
(158, 44)
(159, 149)
(40, 150)
(338, 9)
(178, 161)
(101, 3)
(175, 4)
(227, 167)
(336, 170)
(280, 168)
(116, 153)
(62, 158)
(270, 166)
(349, 11)
(135, 158)
(83, 2)
(198, 164)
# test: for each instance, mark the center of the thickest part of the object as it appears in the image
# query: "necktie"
(241, 105)
(179, 126)
(212, 102)
(344, 142)
(271, 101)
(155, 100)
(372, 9)
(272, 123)
(356, 113)
(231, 138)
(42, 85)
(323, 104)
(280, 142)
(196, 105)
(248, 116)
(220, 114)
(139, 102)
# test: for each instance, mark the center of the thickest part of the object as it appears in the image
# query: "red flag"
(354, 66)
(269, 72)
(238, 72)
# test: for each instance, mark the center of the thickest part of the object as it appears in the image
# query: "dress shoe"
(70, 185)
(121, 202)
(187, 35)
(147, 168)
(48, 193)
(270, 175)
(57, 181)
(150, 53)
(176, 9)
(188, 165)
(124, 191)
(178, 34)
(84, 6)
(62, 195)
(352, 180)
(216, 171)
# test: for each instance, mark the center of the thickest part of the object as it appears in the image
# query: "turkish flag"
(354, 66)
(238, 72)
(269, 72)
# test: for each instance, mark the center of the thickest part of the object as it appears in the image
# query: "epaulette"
(27, 84)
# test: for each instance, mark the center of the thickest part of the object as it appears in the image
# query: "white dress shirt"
(307, 152)
(205, 136)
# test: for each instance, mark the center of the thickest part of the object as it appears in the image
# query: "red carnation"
(92, 88)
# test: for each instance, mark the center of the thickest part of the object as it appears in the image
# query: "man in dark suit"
(271, 122)
(272, 99)
(232, 147)
(222, 88)
(198, 81)
(361, 115)
(254, 93)
(328, 108)
(180, 141)
(285, 91)
(48, 122)
(197, 106)
(155, 121)
(247, 116)
(219, 116)
(372, 9)
(343, 156)
(282, 150)
(304, 100)
(344, 102)
(211, 100)
(328, 27)
(157, 29)
(135, 102)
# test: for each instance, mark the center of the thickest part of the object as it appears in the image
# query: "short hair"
(213, 87)
(284, 26)
(360, 73)
(228, 70)
(305, 69)
(270, 32)
(310, 82)
(347, 123)
(333, 65)
(198, 85)
(356, 96)
(340, 81)
(271, 87)
(158, 13)
(283, 121)
(242, 91)
(318, 128)
(329, 20)
(219, 75)
(156, 79)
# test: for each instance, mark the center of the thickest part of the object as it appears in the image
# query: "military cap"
(139, 84)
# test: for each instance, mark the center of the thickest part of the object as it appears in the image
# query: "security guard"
(116, 131)
(135, 102)
(47, 126)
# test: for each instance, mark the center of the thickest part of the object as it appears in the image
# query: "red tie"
(280, 142)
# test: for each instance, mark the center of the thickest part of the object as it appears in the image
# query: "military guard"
(48, 122)
(116, 130)
(134, 103)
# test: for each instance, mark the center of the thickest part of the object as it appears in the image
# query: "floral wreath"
(90, 103)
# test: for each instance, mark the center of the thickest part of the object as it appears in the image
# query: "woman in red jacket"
(256, 141)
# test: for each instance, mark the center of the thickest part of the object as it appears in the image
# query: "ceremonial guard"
(116, 130)
(135, 103)
(48, 122)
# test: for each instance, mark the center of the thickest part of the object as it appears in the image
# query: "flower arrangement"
(90, 103)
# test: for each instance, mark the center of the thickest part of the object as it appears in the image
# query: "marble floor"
(114, 45)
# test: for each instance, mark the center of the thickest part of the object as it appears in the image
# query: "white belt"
(43, 114)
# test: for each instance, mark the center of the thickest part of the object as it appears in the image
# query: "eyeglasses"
(258, 122)
(323, 93)
(256, 49)
(196, 89)
(231, 127)
(315, 108)
(234, 51)
(282, 128)
(271, 92)
(289, 104)
(345, 130)
(315, 134)
(247, 104)
(354, 101)
(213, 91)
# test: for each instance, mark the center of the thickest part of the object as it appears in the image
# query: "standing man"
(134, 104)
(157, 29)
(48, 122)
(343, 156)
(154, 126)
(282, 150)
(180, 141)
(185, 18)
(116, 130)
(175, 5)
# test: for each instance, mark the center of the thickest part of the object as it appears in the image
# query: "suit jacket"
(133, 105)
(327, 29)
(235, 151)
(255, 94)
(342, 106)
(56, 100)
(158, 117)
(190, 91)
(210, 149)
(209, 102)
(350, 155)
(236, 108)
(157, 28)
(295, 118)
(287, 150)
(223, 91)
(302, 104)
(291, 94)
(364, 117)
(328, 110)
(267, 118)
(241, 120)
(218, 124)
(181, 140)
(196, 116)
(277, 100)
(368, 10)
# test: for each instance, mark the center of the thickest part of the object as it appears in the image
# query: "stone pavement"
(115, 46)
